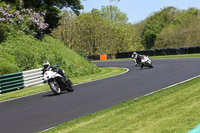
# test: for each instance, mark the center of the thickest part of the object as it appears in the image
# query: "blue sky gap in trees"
(138, 10)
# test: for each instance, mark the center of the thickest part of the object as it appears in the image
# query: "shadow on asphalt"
(144, 68)
(135, 66)
(52, 94)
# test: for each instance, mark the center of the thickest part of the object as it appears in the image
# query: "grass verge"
(173, 110)
(105, 72)
(176, 56)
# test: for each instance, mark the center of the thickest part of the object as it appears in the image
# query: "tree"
(114, 14)
(51, 7)
(104, 31)
(154, 25)
(182, 32)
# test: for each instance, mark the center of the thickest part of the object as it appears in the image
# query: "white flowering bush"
(27, 20)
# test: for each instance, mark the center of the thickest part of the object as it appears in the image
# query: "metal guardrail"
(20, 80)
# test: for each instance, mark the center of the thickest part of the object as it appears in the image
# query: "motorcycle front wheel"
(150, 65)
(54, 87)
(70, 88)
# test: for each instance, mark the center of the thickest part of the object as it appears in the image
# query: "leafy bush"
(7, 64)
(26, 20)
(155, 24)
(3, 32)
(26, 59)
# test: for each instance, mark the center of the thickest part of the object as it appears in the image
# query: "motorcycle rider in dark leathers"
(137, 58)
(57, 69)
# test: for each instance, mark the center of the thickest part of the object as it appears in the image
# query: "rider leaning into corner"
(136, 57)
(48, 67)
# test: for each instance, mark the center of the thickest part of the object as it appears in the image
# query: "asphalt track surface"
(45, 110)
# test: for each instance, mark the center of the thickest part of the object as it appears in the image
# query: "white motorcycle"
(145, 62)
(57, 83)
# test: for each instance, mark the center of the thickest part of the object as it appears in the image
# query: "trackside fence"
(20, 80)
(152, 52)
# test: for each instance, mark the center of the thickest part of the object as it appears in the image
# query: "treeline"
(171, 28)
(108, 31)
(98, 32)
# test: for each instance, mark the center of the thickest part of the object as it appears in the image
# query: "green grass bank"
(20, 52)
(176, 56)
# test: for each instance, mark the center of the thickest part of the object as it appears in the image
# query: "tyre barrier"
(153, 52)
(20, 80)
(162, 52)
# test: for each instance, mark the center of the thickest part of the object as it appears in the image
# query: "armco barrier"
(33, 77)
(11, 82)
(14, 81)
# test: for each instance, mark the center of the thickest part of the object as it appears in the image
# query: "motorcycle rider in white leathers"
(48, 67)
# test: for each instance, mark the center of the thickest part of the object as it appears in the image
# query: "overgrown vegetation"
(183, 31)
(26, 20)
(171, 28)
(98, 32)
(107, 31)
(23, 52)
(50, 7)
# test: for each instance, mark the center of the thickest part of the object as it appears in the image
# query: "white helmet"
(46, 65)
(134, 54)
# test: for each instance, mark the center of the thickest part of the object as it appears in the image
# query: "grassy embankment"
(173, 110)
(22, 52)
(176, 56)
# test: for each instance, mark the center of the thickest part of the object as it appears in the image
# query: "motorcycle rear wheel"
(141, 65)
(54, 87)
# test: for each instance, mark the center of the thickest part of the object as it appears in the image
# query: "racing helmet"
(46, 65)
(134, 54)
